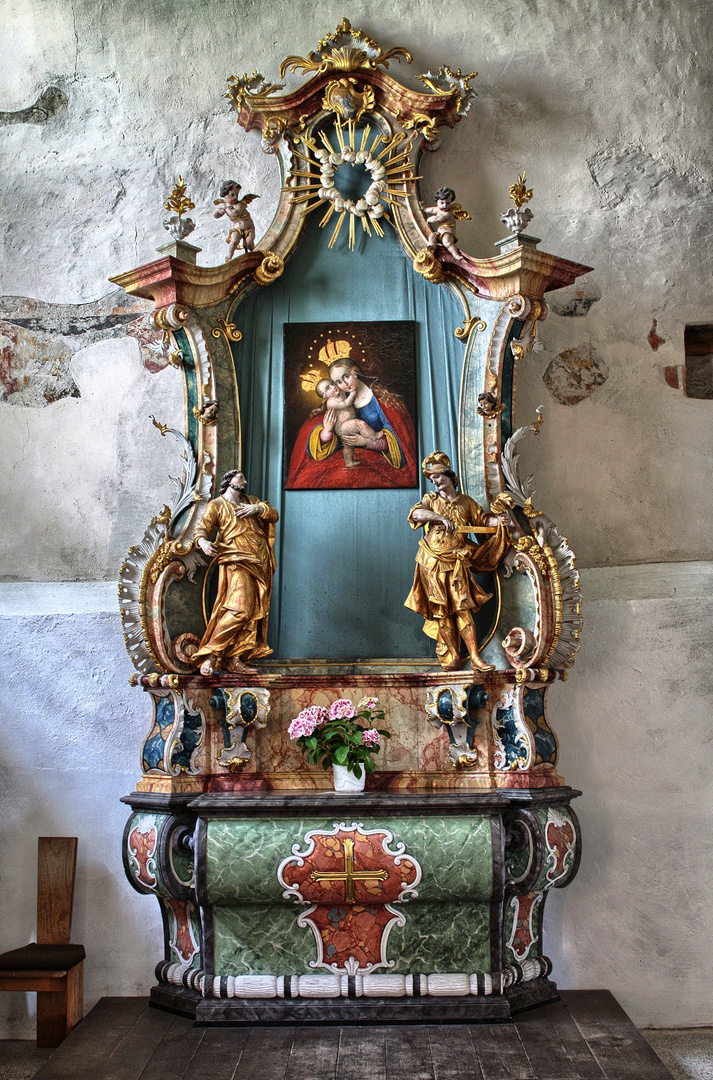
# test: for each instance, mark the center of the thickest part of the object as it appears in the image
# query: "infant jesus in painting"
(345, 419)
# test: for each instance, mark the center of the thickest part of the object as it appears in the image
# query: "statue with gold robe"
(443, 590)
(245, 550)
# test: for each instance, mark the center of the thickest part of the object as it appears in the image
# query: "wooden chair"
(52, 967)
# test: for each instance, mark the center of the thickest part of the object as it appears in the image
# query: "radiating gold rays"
(389, 169)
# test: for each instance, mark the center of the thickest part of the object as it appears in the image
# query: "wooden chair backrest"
(56, 870)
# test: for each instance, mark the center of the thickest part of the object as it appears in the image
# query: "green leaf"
(341, 754)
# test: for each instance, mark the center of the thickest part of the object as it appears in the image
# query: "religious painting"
(350, 405)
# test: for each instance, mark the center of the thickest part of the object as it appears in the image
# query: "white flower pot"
(344, 780)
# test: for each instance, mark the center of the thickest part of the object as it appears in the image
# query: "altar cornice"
(524, 271)
(172, 281)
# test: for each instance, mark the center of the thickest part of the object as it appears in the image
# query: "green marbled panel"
(183, 868)
(455, 855)
(517, 862)
(242, 856)
(441, 938)
(256, 940)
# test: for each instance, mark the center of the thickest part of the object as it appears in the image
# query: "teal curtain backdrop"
(345, 559)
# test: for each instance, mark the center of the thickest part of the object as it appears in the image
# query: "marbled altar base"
(304, 905)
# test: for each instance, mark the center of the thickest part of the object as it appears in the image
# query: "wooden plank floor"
(586, 1036)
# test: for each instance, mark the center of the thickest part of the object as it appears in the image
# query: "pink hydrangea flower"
(368, 703)
(301, 728)
(318, 713)
(342, 709)
(371, 737)
(303, 725)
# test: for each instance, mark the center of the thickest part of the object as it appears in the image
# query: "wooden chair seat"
(36, 957)
(51, 966)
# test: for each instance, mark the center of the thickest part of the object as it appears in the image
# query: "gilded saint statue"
(443, 590)
(244, 547)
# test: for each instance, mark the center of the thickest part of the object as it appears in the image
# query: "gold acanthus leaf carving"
(529, 510)
(426, 264)
(253, 86)
(343, 97)
(519, 193)
(457, 85)
(163, 428)
(425, 125)
(463, 332)
(270, 269)
(178, 201)
(346, 49)
(527, 545)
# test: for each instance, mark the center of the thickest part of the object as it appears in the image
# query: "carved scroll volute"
(528, 649)
(165, 554)
(505, 353)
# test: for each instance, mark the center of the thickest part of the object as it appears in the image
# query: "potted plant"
(335, 737)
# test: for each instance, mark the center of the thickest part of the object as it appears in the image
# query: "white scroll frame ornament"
(297, 858)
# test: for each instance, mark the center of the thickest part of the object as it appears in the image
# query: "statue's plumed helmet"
(435, 463)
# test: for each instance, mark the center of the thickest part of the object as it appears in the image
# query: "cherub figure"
(488, 405)
(208, 415)
(236, 210)
(345, 419)
(442, 219)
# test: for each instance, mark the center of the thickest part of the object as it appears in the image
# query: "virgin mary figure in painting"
(380, 452)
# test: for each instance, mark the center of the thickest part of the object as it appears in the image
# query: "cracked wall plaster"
(634, 174)
(613, 153)
(577, 301)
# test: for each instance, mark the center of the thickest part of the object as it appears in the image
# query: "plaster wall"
(605, 105)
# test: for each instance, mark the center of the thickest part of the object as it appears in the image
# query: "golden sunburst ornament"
(386, 168)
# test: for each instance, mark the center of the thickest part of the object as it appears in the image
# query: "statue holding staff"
(244, 547)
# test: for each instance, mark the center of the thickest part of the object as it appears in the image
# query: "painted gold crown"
(310, 378)
(333, 351)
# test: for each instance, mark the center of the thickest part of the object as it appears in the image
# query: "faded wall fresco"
(38, 340)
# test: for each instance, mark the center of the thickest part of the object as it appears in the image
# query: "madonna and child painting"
(350, 400)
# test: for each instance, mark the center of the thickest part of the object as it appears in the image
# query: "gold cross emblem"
(349, 875)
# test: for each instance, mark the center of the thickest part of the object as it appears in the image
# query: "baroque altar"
(349, 386)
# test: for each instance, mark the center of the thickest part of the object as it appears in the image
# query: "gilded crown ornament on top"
(346, 49)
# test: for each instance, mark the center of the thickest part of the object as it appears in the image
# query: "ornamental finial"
(516, 217)
(180, 204)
